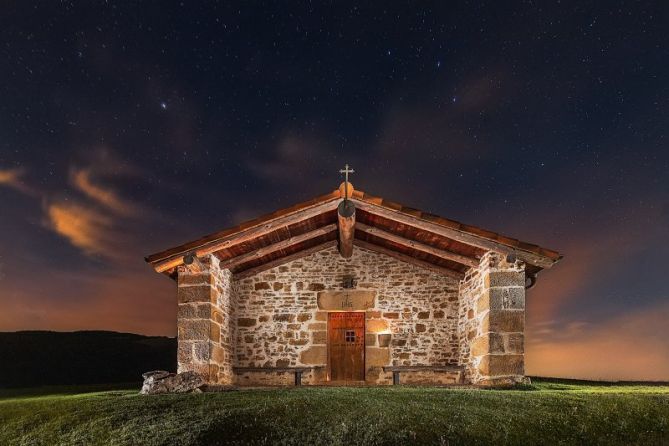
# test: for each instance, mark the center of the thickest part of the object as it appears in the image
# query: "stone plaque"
(347, 300)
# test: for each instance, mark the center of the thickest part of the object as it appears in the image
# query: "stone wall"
(492, 321)
(417, 317)
(206, 321)
(279, 323)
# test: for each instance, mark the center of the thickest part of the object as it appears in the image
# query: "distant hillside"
(35, 358)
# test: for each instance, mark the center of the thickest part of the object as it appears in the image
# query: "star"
(163, 105)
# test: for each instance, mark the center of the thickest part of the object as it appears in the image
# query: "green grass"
(547, 412)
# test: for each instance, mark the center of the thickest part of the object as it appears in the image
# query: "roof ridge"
(463, 233)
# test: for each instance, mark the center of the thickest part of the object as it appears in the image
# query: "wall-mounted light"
(384, 339)
(530, 280)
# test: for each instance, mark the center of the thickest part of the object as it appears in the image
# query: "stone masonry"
(492, 321)
(206, 321)
(419, 317)
(280, 325)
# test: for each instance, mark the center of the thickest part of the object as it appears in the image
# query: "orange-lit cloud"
(85, 228)
(10, 177)
(13, 178)
(633, 346)
(81, 179)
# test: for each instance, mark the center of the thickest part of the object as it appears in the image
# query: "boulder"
(160, 381)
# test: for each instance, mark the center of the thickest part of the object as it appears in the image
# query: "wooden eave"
(427, 240)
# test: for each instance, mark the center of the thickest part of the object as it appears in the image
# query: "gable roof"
(433, 242)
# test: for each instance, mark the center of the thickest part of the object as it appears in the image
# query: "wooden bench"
(422, 368)
(296, 370)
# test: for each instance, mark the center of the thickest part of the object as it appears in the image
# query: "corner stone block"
(479, 346)
(184, 352)
(504, 321)
(204, 278)
(186, 294)
(217, 354)
(515, 343)
(213, 372)
(487, 343)
(505, 278)
(186, 311)
(512, 298)
(214, 332)
(502, 298)
(201, 351)
(195, 329)
(499, 365)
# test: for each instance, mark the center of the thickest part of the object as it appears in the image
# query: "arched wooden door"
(346, 346)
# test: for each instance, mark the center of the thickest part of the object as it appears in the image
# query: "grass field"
(548, 412)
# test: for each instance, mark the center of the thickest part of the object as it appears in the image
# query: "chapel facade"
(349, 288)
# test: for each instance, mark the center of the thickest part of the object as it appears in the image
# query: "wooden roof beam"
(411, 260)
(346, 224)
(418, 246)
(454, 234)
(283, 244)
(245, 235)
(285, 259)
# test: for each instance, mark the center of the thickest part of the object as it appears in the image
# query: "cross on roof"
(346, 171)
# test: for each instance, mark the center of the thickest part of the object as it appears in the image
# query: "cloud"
(99, 223)
(13, 178)
(10, 177)
(82, 180)
(85, 228)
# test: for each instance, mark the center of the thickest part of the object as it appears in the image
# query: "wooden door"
(346, 343)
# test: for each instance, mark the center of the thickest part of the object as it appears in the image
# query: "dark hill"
(36, 358)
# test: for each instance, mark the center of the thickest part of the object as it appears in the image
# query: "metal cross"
(346, 171)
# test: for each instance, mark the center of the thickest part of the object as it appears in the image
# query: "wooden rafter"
(418, 246)
(411, 260)
(283, 244)
(454, 234)
(285, 259)
(240, 237)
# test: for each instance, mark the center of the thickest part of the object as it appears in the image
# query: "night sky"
(129, 128)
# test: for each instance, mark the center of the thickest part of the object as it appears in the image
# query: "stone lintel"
(347, 300)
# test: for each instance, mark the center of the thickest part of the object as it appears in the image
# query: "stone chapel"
(349, 288)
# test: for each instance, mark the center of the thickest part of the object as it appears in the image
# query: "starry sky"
(127, 128)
